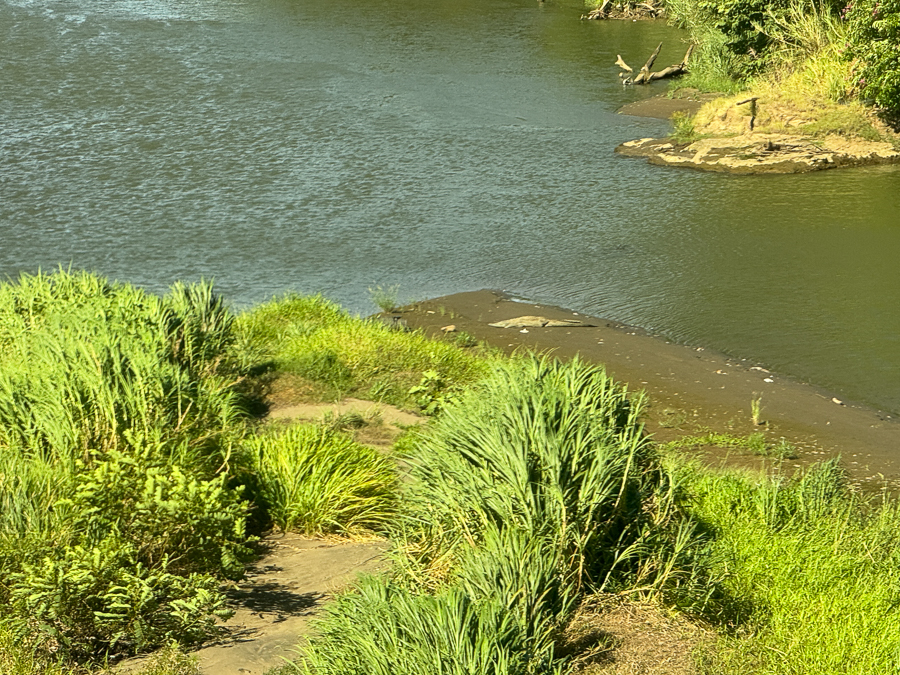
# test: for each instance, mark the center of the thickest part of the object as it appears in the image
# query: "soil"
(691, 390)
(280, 594)
(633, 638)
(663, 106)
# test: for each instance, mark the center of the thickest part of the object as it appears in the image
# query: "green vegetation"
(314, 480)
(809, 569)
(338, 355)
(755, 444)
(534, 486)
(810, 59)
(116, 409)
(132, 477)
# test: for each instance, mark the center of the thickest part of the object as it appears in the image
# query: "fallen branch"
(646, 75)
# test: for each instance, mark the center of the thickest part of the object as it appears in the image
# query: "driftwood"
(646, 75)
(624, 10)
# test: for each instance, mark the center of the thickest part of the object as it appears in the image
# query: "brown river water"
(444, 146)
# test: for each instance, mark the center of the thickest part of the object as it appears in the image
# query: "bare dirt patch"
(631, 638)
(371, 423)
(688, 101)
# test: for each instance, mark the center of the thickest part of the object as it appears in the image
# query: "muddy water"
(443, 146)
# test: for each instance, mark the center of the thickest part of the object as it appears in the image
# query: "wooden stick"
(622, 64)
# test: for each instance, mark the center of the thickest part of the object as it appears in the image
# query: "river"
(442, 146)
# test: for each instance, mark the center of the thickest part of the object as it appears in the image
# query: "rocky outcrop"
(763, 153)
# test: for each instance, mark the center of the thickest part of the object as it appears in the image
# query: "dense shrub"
(117, 418)
(875, 44)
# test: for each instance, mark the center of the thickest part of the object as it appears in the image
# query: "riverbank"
(691, 389)
(746, 135)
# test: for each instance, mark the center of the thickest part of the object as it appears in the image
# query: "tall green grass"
(318, 481)
(533, 486)
(808, 571)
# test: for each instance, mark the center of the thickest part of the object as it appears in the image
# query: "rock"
(763, 153)
(449, 329)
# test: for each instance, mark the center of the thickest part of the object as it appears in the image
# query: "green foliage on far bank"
(822, 51)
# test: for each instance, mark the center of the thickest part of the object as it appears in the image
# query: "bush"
(384, 628)
(117, 415)
(93, 601)
(319, 481)
(875, 44)
(552, 449)
(531, 486)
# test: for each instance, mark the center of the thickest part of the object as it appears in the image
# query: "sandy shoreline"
(690, 389)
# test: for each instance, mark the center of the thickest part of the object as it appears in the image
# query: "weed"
(385, 298)
(756, 409)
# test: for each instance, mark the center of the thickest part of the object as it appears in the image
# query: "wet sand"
(691, 389)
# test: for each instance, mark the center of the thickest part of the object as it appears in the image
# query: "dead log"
(622, 64)
(646, 75)
(642, 77)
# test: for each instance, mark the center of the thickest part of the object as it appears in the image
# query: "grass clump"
(317, 481)
(341, 355)
(532, 487)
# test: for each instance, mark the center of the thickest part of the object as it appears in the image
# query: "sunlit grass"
(316, 339)
(317, 481)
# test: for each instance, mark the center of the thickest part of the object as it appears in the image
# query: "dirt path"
(280, 594)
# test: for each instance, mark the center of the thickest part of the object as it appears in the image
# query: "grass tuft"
(317, 481)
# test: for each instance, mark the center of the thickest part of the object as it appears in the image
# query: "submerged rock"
(763, 153)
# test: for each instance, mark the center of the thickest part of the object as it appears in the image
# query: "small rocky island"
(763, 153)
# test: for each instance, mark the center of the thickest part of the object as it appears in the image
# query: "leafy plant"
(875, 45)
(385, 298)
